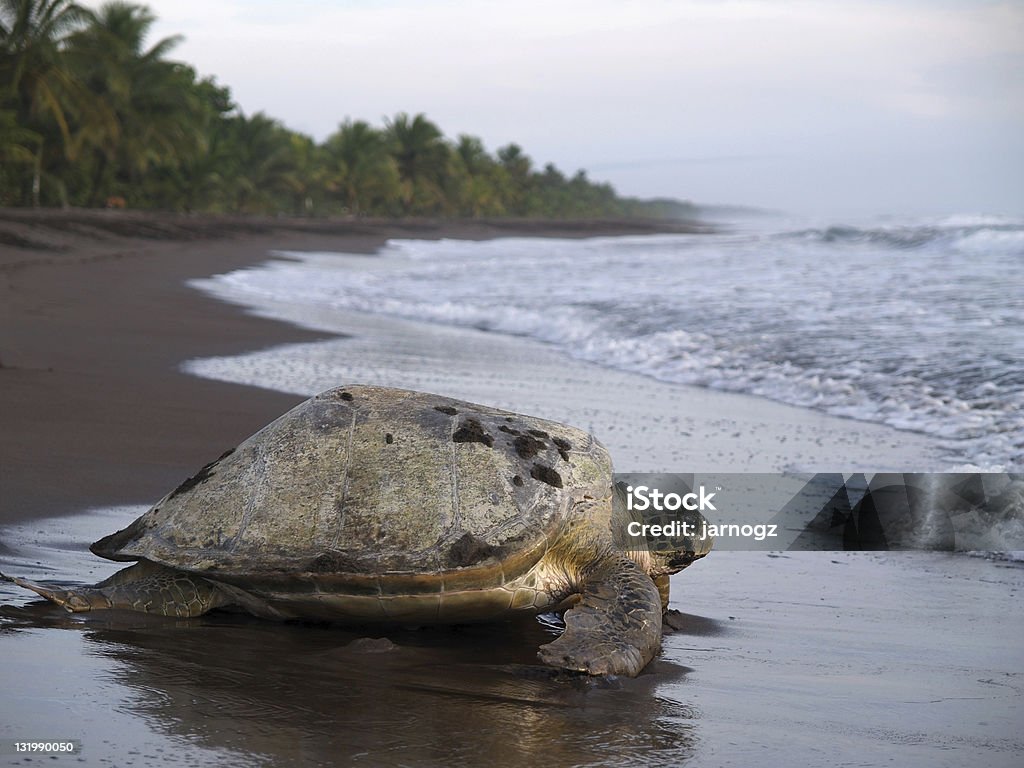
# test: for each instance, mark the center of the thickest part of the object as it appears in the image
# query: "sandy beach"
(125, 368)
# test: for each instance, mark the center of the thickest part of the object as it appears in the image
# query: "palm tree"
(155, 108)
(17, 151)
(201, 182)
(422, 156)
(471, 153)
(33, 35)
(517, 167)
(260, 165)
(478, 179)
(360, 169)
(16, 143)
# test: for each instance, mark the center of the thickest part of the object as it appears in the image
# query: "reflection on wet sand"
(302, 694)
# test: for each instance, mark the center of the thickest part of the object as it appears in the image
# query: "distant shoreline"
(34, 232)
(97, 319)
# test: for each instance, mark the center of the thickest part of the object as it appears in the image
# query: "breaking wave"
(918, 325)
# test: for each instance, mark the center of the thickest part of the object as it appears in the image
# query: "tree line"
(92, 116)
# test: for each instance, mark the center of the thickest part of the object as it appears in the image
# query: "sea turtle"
(368, 504)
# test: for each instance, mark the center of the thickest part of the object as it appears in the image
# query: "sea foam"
(917, 324)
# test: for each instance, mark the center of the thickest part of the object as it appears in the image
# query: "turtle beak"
(682, 560)
(704, 542)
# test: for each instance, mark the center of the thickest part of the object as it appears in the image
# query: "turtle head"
(664, 562)
(661, 544)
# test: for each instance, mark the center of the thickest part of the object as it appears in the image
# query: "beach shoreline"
(98, 318)
(120, 377)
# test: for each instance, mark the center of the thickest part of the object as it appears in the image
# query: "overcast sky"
(842, 106)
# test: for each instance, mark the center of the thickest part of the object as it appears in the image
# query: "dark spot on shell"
(470, 431)
(445, 409)
(564, 446)
(546, 475)
(389, 438)
(199, 477)
(509, 430)
(347, 396)
(527, 447)
(469, 550)
(334, 562)
(508, 418)
(539, 433)
(517, 480)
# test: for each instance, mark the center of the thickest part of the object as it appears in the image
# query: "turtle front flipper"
(615, 629)
(144, 587)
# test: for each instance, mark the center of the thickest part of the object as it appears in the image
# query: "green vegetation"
(90, 116)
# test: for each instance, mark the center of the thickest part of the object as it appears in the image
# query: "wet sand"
(802, 659)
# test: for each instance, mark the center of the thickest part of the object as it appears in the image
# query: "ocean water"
(917, 324)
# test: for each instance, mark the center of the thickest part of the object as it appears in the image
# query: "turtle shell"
(362, 488)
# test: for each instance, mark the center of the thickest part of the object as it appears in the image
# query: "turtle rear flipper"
(144, 587)
(615, 629)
